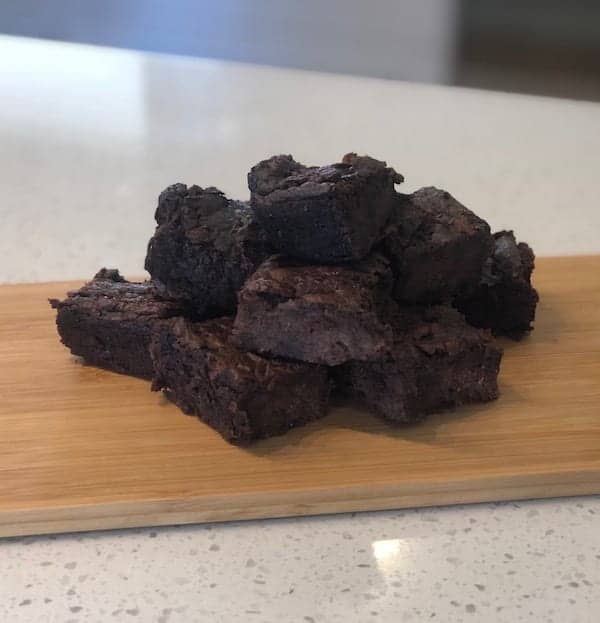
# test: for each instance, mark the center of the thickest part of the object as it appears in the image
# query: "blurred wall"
(576, 22)
(402, 39)
(548, 47)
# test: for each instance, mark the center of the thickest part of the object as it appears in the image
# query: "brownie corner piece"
(326, 214)
(504, 301)
(241, 395)
(436, 245)
(325, 314)
(204, 247)
(108, 322)
(438, 361)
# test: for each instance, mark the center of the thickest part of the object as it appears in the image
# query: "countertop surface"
(88, 138)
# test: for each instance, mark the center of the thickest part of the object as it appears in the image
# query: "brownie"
(436, 245)
(241, 395)
(109, 322)
(321, 314)
(504, 301)
(438, 361)
(204, 247)
(324, 214)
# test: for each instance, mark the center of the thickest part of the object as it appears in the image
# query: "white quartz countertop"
(88, 138)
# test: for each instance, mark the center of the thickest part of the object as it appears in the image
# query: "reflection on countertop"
(499, 563)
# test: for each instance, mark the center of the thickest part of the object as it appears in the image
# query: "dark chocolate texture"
(437, 362)
(241, 395)
(504, 301)
(108, 322)
(437, 247)
(321, 314)
(204, 248)
(324, 214)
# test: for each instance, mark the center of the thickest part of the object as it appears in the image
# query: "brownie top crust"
(343, 287)
(110, 295)
(281, 176)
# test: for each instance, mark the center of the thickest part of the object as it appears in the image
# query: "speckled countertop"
(88, 137)
(534, 561)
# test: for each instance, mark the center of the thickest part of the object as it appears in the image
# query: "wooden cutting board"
(81, 448)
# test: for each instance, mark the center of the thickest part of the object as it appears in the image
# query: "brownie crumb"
(319, 314)
(109, 321)
(241, 395)
(438, 361)
(204, 248)
(326, 214)
(504, 300)
(436, 245)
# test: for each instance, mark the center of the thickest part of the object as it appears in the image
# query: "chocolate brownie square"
(320, 314)
(437, 361)
(241, 395)
(109, 322)
(203, 249)
(324, 214)
(504, 301)
(436, 245)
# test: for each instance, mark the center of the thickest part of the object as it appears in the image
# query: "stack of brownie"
(327, 279)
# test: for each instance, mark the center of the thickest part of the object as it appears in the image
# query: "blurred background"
(547, 47)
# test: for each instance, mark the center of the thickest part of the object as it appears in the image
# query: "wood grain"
(82, 448)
